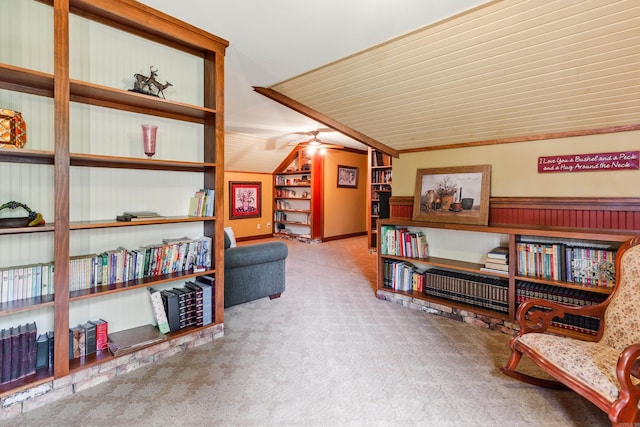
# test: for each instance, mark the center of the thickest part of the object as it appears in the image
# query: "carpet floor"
(327, 353)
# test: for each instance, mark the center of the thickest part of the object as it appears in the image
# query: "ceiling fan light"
(311, 150)
(322, 151)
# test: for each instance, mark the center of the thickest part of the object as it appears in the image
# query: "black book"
(31, 348)
(5, 343)
(183, 309)
(50, 342)
(199, 303)
(15, 353)
(90, 338)
(42, 351)
(207, 301)
(172, 308)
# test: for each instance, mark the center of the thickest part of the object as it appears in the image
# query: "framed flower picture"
(245, 199)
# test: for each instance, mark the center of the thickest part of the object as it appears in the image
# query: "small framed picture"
(347, 176)
(245, 200)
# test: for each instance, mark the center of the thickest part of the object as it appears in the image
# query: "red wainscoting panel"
(591, 213)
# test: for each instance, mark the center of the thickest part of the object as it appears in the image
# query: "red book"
(102, 330)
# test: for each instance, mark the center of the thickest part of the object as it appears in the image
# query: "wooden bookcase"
(297, 196)
(379, 180)
(460, 248)
(135, 20)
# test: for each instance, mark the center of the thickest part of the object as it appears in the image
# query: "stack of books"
(497, 261)
(133, 216)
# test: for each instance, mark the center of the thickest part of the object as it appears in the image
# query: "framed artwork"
(245, 199)
(453, 194)
(347, 176)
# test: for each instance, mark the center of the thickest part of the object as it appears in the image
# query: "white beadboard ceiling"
(512, 68)
(421, 73)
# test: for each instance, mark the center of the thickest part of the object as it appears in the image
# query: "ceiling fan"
(315, 145)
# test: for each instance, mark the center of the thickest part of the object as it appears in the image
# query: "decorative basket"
(13, 129)
(33, 218)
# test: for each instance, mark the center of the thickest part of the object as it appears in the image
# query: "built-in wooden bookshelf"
(379, 180)
(137, 21)
(297, 185)
(460, 248)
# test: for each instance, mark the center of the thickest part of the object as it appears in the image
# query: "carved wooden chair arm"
(535, 315)
(627, 371)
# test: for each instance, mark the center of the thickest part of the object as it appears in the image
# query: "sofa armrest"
(259, 253)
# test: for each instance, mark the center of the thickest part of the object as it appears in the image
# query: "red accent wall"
(606, 213)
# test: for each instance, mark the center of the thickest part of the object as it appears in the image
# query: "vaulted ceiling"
(434, 77)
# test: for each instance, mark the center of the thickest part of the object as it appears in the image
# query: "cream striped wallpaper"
(104, 56)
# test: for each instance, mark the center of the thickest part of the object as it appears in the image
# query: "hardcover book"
(5, 341)
(158, 311)
(90, 338)
(42, 351)
(130, 340)
(102, 330)
(172, 308)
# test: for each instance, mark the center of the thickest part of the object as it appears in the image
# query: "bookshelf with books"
(379, 181)
(565, 265)
(89, 167)
(297, 196)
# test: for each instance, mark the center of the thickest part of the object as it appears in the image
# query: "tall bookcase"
(379, 190)
(85, 152)
(297, 196)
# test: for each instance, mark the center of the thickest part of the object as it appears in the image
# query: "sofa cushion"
(259, 253)
(590, 363)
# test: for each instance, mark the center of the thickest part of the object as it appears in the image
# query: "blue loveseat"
(253, 271)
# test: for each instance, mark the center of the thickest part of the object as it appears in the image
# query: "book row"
(400, 241)
(17, 352)
(84, 339)
(298, 217)
(577, 297)
(288, 180)
(189, 305)
(110, 267)
(589, 266)
(26, 281)
(479, 291)
(202, 203)
(381, 176)
(121, 265)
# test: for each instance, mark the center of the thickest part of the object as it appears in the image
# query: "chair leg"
(274, 296)
(510, 370)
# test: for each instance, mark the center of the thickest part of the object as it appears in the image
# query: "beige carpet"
(327, 353)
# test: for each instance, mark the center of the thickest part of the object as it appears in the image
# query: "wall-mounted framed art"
(453, 194)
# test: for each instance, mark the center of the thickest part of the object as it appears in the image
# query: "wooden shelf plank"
(97, 160)
(41, 376)
(103, 96)
(22, 305)
(134, 284)
(85, 225)
(25, 80)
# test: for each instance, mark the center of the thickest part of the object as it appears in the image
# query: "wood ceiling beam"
(325, 120)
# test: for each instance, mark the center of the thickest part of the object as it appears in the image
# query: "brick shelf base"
(469, 317)
(37, 396)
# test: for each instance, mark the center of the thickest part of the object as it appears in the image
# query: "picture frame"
(245, 199)
(453, 195)
(347, 176)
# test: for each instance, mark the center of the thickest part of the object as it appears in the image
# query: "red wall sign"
(589, 162)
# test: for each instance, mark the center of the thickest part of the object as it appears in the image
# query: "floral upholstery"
(592, 364)
(622, 318)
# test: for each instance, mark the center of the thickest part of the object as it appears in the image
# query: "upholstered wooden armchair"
(605, 371)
